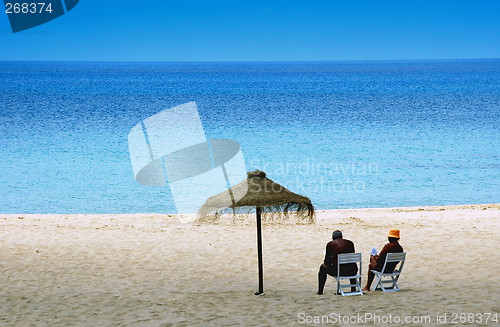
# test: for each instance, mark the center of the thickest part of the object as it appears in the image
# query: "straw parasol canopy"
(259, 193)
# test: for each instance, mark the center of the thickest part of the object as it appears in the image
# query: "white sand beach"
(151, 270)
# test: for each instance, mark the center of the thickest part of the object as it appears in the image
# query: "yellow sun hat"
(394, 233)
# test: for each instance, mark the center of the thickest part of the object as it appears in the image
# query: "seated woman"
(377, 261)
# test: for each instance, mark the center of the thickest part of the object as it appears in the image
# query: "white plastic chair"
(344, 259)
(382, 282)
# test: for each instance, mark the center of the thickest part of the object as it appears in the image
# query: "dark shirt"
(336, 247)
(394, 247)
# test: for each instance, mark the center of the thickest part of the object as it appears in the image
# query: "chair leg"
(378, 283)
(382, 285)
(358, 285)
(395, 283)
(388, 285)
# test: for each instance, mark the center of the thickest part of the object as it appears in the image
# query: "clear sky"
(261, 30)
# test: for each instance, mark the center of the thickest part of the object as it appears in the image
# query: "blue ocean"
(345, 134)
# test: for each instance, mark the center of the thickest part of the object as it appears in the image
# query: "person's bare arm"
(382, 253)
(328, 256)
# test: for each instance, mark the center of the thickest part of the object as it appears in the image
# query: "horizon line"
(256, 61)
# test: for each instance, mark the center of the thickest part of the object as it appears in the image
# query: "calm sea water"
(346, 134)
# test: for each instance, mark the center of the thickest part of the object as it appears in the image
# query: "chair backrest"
(346, 258)
(349, 258)
(395, 257)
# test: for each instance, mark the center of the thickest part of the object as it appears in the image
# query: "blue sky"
(261, 30)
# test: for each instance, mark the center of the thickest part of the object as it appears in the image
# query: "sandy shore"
(150, 270)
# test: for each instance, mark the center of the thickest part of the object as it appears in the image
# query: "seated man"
(336, 246)
(377, 261)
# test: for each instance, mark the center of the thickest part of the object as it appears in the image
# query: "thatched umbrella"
(259, 192)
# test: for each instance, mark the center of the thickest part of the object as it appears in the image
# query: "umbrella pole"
(259, 252)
